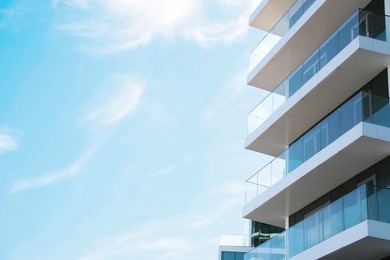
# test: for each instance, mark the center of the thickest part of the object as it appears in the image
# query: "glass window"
(240, 256)
(228, 255)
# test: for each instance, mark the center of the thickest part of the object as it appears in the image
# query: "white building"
(326, 122)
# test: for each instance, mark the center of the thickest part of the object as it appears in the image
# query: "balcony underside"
(339, 79)
(355, 151)
(367, 240)
(268, 13)
(320, 21)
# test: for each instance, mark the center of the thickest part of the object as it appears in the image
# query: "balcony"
(357, 222)
(275, 33)
(355, 53)
(317, 163)
(266, 13)
(313, 27)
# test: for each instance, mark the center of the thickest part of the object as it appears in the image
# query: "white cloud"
(157, 113)
(164, 170)
(208, 33)
(118, 25)
(172, 167)
(121, 102)
(140, 241)
(186, 236)
(7, 143)
(73, 169)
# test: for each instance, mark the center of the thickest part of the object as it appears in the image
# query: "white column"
(286, 223)
(387, 7)
(387, 12)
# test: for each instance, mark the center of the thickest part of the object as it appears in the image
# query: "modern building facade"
(326, 123)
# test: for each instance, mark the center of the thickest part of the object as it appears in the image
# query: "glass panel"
(350, 113)
(311, 66)
(337, 218)
(296, 239)
(251, 188)
(329, 49)
(384, 205)
(313, 230)
(351, 212)
(295, 12)
(372, 203)
(381, 111)
(307, 4)
(259, 114)
(295, 81)
(311, 142)
(278, 247)
(362, 192)
(348, 31)
(295, 155)
(279, 168)
(326, 222)
(330, 128)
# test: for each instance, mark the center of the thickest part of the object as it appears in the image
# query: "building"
(326, 123)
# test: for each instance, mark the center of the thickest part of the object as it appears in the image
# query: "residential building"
(326, 123)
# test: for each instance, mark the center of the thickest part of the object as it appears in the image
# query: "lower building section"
(353, 214)
(233, 247)
(261, 232)
(232, 252)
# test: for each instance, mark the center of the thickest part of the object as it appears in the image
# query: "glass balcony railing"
(366, 202)
(362, 23)
(279, 30)
(362, 107)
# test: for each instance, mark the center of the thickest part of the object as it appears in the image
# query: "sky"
(122, 126)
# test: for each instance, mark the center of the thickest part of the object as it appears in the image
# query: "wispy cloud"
(164, 170)
(172, 167)
(208, 33)
(167, 238)
(71, 170)
(118, 25)
(7, 143)
(117, 103)
(157, 113)
(140, 241)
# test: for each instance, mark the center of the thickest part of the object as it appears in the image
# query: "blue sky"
(122, 125)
